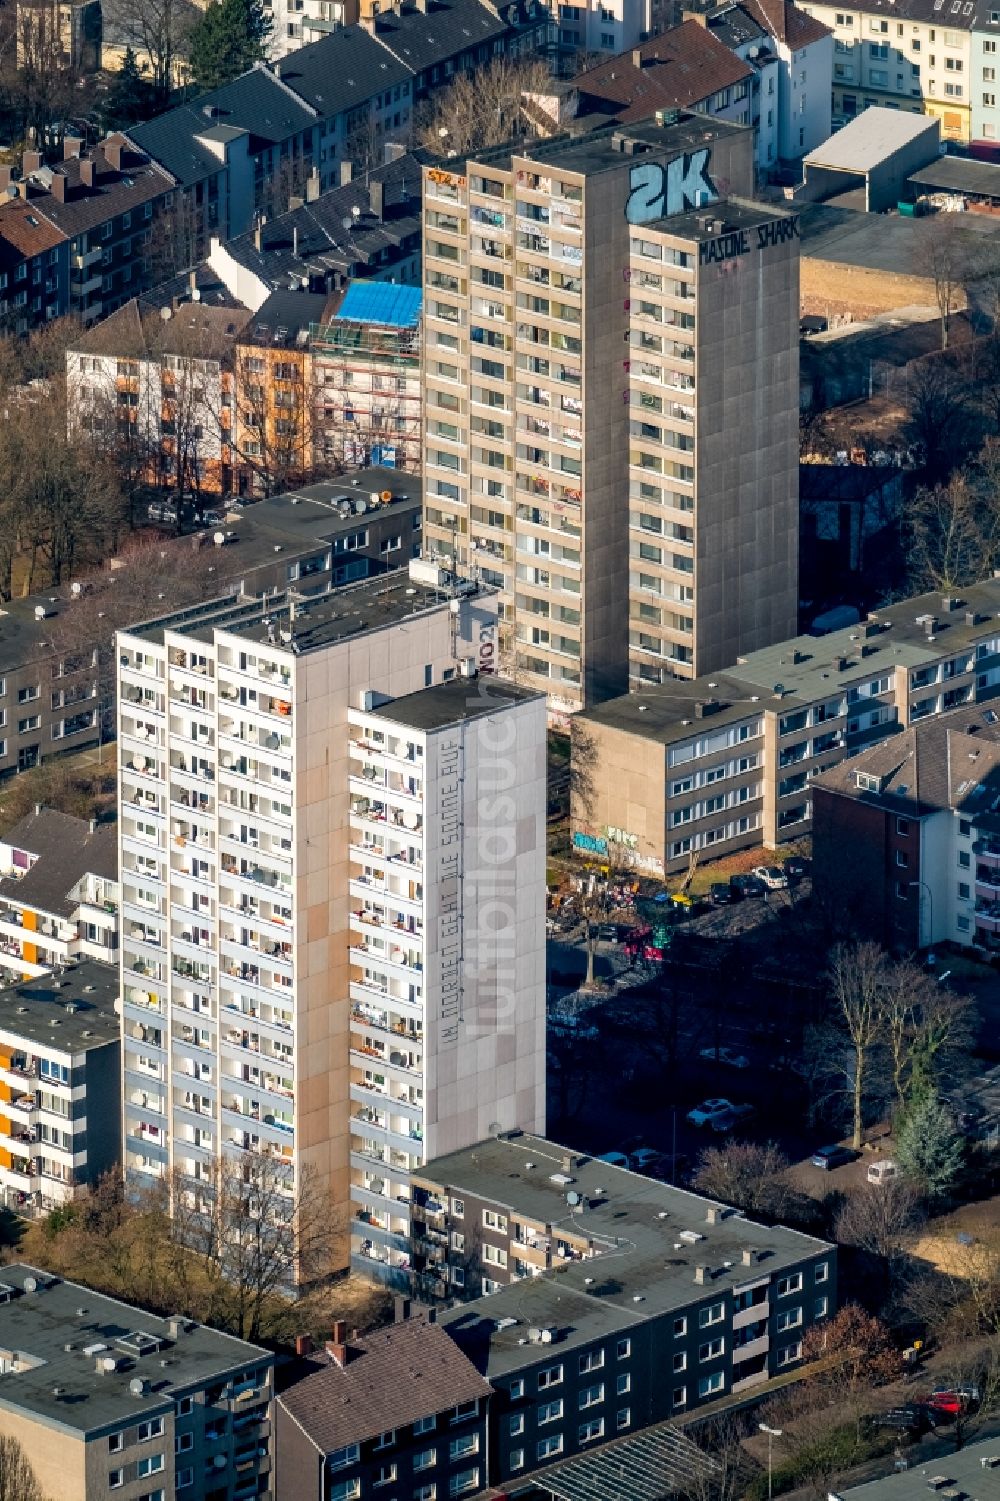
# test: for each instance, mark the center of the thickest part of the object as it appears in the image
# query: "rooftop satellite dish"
(137, 1386)
(195, 294)
(166, 314)
(572, 1198)
(356, 211)
(534, 1335)
(347, 223)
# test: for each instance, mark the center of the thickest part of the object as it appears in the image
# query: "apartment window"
(790, 1353)
(588, 1432)
(349, 1490)
(425, 1425)
(385, 1440)
(340, 1459)
(624, 1349)
(547, 1447)
(183, 1442)
(590, 1396)
(711, 1349)
(550, 1412)
(517, 1389)
(515, 1424)
(680, 1396)
(183, 1478)
(152, 1428)
(712, 1313)
(709, 1385)
(185, 1407)
(822, 1272)
(115, 1479)
(821, 1308)
(680, 1328)
(623, 1384)
(964, 859)
(680, 1362)
(150, 1464)
(386, 1476)
(494, 1221)
(458, 1208)
(551, 1376)
(592, 1361)
(624, 1418)
(462, 1448)
(516, 1460)
(963, 891)
(116, 1443)
(792, 1283)
(790, 1318)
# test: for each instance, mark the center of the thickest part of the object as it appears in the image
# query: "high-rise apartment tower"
(611, 400)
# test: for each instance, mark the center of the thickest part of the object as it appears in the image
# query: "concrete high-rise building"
(324, 951)
(611, 400)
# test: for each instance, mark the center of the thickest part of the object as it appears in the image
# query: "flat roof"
(600, 150)
(652, 1234)
(959, 1471)
(957, 174)
(70, 1010)
(382, 302)
(878, 242)
(296, 625)
(59, 1330)
(806, 668)
(721, 218)
(454, 702)
(870, 138)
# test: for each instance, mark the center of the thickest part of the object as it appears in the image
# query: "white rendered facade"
(235, 788)
(448, 945)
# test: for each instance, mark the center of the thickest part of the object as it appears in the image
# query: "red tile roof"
(393, 1378)
(24, 227)
(785, 21)
(679, 69)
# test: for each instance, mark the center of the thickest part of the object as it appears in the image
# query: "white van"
(883, 1172)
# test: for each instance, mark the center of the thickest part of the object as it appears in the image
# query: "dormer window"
(868, 783)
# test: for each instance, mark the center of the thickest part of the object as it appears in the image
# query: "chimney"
(431, 1315)
(312, 186)
(712, 1215)
(113, 152)
(58, 187)
(748, 1256)
(394, 150)
(700, 1273)
(30, 162)
(295, 201)
(192, 283)
(258, 237)
(567, 1163)
(92, 826)
(336, 1347)
(303, 1344)
(295, 241)
(5, 175)
(87, 171)
(375, 199)
(72, 146)
(401, 1309)
(368, 22)
(694, 15)
(345, 173)
(637, 57)
(420, 6)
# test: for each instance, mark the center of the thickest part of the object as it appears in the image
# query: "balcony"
(744, 1317)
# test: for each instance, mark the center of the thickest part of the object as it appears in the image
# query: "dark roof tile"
(67, 848)
(680, 69)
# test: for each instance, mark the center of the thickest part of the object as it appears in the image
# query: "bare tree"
(748, 1175)
(484, 108)
(258, 1232)
(941, 255)
(18, 1481)
(158, 31)
(273, 435)
(939, 420)
(857, 977)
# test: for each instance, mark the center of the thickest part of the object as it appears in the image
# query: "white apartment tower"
(611, 400)
(304, 968)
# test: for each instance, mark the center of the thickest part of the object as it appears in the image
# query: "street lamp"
(930, 907)
(772, 1434)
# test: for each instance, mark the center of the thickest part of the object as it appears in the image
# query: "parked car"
(607, 933)
(646, 1160)
(616, 1159)
(912, 1418)
(884, 1171)
(831, 1157)
(772, 877)
(742, 886)
(728, 1056)
(721, 894)
(709, 1111)
(162, 510)
(952, 1403)
(212, 518)
(736, 1115)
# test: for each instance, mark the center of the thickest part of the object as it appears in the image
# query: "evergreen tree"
(228, 39)
(131, 97)
(929, 1149)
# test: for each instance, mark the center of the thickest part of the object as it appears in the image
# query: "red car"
(952, 1404)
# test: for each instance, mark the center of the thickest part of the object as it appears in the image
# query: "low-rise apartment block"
(914, 819)
(727, 762)
(914, 55)
(58, 893)
(108, 1400)
(60, 1085)
(402, 1408)
(615, 1302)
(366, 374)
(305, 823)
